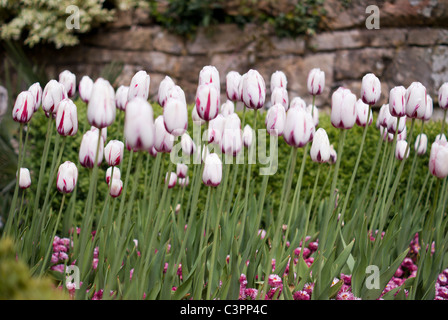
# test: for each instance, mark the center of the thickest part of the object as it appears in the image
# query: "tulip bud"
(216, 129)
(171, 177)
(139, 86)
(416, 101)
(116, 175)
(421, 143)
(67, 177)
(370, 89)
(153, 152)
(383, 116)
(316, 81)
(36, 90)
(88, 149)
(113, 152)
(232, 142)
(227, 108)
(397, 101)
(115, 188)
(401, 136)
(438, 159)
(429, 108)
(247, 136)
(395, 125)
(54, 92)
(187, 144)
(85, 88)
(210, 75)
(68, 80)
(278, 80)
(101, 109)
(139, 128)
(176, 92)
(275, 120)
(165, 85)
(212, 173)
(440, 136)
(314, 112)
(24, 179)
(181, 170)
(67, 118)
(299, 127)
(207, 102)
(163, 139)
(175, 116)
(343, 111)
(280, 95)
(443, 96)
(183, 182)
(320, 148)
(240, 87)
(197, 120)
(121, 97)
(254, 90)
(23, 107)
(333, 155)
(400, 150)
(297, 102)
(103, 132)
(233, 79)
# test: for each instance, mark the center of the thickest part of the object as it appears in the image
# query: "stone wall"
(411, 45)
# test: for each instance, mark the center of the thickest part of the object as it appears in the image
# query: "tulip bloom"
(54, 92)
(101, 109)
(254, 90)
(24, 179)
(440, 136)
(23, 108)
(343, 111)
(429, 108)
(314, 111)
(247, 136)
(297, 102)
(183, 182)
(113, 152)
(207, 102)
(103, 132)
(212, 174)
(115, 188)
(116, 176)
(416, 101)
(216, 129)
(333, 155)
(395, 125)
(299, 127)
(175, 116)
(320, 148)
(438, 159)
(85, 88)
(67, 118)
(233, 79)
(210, 75)
(187, 144)
(68, 80)
(139, 128)
(165, 85)
(421, 143)
(280, 95)
(67, 177)
(227, 108)
(171, 177)
(88, 149)
(443, 96)
(370, 89)
(316, 81)
(383, 116)
(163, 139)
(181, 170)
(176, 92)
(400, 150)
(275, 120)
(36, 90)
(121, 97)
(139, 86)
(278, 80)
(361, 114)
(232, 140)
(397, 101)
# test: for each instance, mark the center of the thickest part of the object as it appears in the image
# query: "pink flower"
(301, 295)
(343, 110)
(275, 281)
(253, 90)
(24, 107)
(233, 79)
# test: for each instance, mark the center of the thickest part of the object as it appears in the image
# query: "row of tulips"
(227, 135)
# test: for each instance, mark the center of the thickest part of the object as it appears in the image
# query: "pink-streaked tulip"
(216, 129)
(207, 102)
(297, 102)
(278, 80)
(316, 81)
(254, 90)
(343, 111)
(395, 125)
(171, 179)
(443, 96)
(67, 118)
(233, 79)
(240, 87)
(320, 148)
(54, 92)
(164, 141)
(370, 89)
(139, 86)
(232, 140)
(248, 136)
(24, 179)
(333, 155)
(68, 80)
(383, 116)
(299, 127)
(113, 152)
(210, 75)
(116, 176)
(421, 144)
(153, 152)
(36, 90)
(397, 101)
(181, 170)
(178, 93)
(175, 115)
(400, 150)
(429, 108)
(187, 144)
(197, 120)
(401, 136)
(88, 149)
(280, 95)
(103, 132)
(23, 108)
(85, 88)
(314, 113)
(101, 108)
(183, 182)
(165, 85)
(139, 127)
(416, 101)
(275, 120)
(440, 136)
(212, 174)
(121, 97)
(67, 177)
(227, 108)
(438, 159)
(115, 188)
